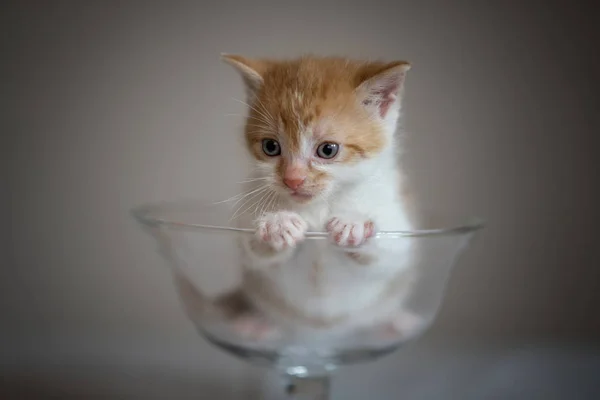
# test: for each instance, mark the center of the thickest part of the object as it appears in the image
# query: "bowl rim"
(143, 214)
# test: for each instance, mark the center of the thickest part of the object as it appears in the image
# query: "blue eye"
(271, 147)
(328, 150)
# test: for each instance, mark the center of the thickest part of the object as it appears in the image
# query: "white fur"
(367, 191)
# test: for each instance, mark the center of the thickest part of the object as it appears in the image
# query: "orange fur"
(311, 96)
(302, 103)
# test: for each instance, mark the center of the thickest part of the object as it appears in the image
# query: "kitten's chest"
(316, 217)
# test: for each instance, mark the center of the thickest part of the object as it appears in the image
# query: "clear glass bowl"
(198, 240)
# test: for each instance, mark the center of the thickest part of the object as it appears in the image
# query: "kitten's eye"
(327, 150)
(271, 147)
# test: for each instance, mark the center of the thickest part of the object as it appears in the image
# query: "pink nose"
(293, 183)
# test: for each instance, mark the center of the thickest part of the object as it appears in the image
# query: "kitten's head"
(316, 124)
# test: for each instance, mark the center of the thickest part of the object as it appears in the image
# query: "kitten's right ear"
(381, 86)
(252, 71)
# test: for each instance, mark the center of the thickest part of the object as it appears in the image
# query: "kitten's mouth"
(302, 196)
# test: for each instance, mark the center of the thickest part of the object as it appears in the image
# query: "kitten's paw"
(407, 323)
(255, 328)
(281, 229)
(348, 233)
(401, 326)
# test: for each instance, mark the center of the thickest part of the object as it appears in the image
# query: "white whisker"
(261, 126)
(262, 120)
(272, 202)
(253, 180)
(234, 197)
(260, 205)
(240, 212)
(255, 191)
(237, 212)
(268, 118)
(260, 103)
(268, 201)
(237, 196)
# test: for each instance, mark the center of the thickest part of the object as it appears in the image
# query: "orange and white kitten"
(322, 134)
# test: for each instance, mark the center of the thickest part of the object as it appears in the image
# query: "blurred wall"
(110, 104)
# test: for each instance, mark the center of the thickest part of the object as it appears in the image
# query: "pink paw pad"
(401, 326)
(253, 328)
(281, 229)
(350, 234)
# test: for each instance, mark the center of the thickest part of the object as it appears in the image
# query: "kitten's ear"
(380, 87)
(252, 71)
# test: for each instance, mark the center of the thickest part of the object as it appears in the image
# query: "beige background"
(110, 104)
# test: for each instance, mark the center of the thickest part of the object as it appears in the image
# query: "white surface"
(190, 368)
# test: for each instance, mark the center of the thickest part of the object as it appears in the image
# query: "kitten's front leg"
(273, 243)
(352, 235)
(276, 237)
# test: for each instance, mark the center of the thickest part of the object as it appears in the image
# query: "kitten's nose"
(293, 183)
(294, 175)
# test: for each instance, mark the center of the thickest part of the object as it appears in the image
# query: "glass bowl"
(199, 240)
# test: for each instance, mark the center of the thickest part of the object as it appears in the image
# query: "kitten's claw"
(281, 229)
(346, 233)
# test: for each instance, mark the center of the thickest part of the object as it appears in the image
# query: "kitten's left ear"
(381, 85)
(252, 71)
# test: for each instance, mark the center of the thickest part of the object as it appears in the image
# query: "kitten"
(322, 134)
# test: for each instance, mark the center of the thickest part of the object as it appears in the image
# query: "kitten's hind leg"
(234, 308)
(244, 318)
(252, 326)
(196, 305)
(401, 326)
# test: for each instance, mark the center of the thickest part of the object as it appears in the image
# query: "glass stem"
(307, 388)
